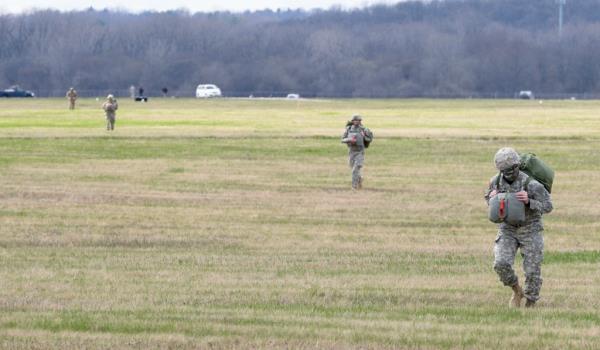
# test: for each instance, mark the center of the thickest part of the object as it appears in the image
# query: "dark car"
(16, 91)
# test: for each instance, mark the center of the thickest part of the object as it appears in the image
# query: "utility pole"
(561, 4)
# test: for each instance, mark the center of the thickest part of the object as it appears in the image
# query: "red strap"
(502, 208)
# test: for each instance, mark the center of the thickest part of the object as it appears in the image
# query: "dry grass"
(229, 224)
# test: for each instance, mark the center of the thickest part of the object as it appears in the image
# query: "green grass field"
(230, 224)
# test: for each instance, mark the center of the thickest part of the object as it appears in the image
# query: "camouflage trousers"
(71, 104)
(356, 161)
(531, 242)
(110, 122)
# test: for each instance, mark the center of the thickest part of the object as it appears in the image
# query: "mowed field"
(230, 223)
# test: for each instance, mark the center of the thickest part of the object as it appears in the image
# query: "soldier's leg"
(356, 169)
(112, 123)
(351, 160)
(532, 250)
(505, 250)
(107, 123)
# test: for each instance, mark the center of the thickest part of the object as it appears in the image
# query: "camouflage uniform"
(528, 236)
(356, 150)
(110, 107)
(72, 96)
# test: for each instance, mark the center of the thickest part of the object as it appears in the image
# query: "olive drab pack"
(536, 168)
(369, 134)
(505, 207)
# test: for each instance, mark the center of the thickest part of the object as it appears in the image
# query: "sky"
(12, 6)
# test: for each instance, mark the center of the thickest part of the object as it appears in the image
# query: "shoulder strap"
(498, 181)
(526, 184)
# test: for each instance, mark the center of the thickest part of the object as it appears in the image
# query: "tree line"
(435, 48)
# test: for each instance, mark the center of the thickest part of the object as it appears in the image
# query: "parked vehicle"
(526, 95)
(207, 90)
(15, 91)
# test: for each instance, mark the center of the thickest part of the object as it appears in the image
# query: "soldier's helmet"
(356, 117)
(506, 158)
(110, 97)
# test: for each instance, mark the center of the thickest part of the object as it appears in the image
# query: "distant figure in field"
(141, 91)
(526, 235)
(110, 109)
(165, 91)
(357, 138)
(72, 96)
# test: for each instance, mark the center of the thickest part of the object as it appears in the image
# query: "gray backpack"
(505, 207)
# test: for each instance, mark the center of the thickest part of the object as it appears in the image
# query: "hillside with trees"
(439, 48)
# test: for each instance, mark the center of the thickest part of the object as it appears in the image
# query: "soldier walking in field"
(72, 96)
(357, 138)
(110, 108)
(526, 236)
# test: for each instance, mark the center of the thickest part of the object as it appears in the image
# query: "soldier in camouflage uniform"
(528, 237)
(72, 96)
(355, 137)
(110, 108)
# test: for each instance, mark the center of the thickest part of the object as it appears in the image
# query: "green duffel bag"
(505, 207)
(536, 168)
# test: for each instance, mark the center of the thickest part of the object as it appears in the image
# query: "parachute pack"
(505, 207)
(536, 168)
(368, 133)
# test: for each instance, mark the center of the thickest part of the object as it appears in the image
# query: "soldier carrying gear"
(110, 108)
(357, 137)
(72, 96)
(526, 236)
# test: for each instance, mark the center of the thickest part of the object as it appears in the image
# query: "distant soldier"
(357, 137)
(527, 236)
(110, 109)
(72, 96)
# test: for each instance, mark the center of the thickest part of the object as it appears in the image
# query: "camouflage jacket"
(540, 201)
(110, 108)
(358, 146)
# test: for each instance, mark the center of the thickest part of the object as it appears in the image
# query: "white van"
(207, 90)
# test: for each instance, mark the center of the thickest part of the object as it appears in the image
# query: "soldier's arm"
(368, 135)
(345, 136)
(490, 189)
(539, 198)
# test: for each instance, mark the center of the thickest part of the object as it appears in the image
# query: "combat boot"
(518, 294)
(530, 303)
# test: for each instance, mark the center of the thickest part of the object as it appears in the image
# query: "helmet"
(356, 117)
(110, 97)
(506, 158)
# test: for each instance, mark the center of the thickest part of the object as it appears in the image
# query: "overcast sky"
(16, 6)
